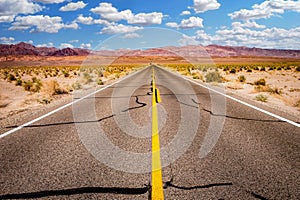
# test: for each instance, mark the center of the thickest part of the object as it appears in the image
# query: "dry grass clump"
(213, 77)
(242, 79)
(271, 90)
(33, 85)
(261, 98)
(297, 104)
(53, 88)
(261, 82)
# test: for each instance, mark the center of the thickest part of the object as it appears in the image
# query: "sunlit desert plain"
(32, 83)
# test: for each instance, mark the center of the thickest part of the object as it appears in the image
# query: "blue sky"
(86, 23)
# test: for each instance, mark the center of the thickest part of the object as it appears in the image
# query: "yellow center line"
(157, 188)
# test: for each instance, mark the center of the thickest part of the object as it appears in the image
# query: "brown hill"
(171, 51)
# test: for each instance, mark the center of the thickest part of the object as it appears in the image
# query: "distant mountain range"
(184, 51)
(30, 50)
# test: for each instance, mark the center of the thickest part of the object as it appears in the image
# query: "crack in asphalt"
(74, 191)
(137, 101)
(142, 104)
(116, 190)
(231, 117)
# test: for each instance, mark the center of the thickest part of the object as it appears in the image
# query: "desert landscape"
(32, 78)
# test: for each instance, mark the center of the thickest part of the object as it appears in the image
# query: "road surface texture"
(256, 156)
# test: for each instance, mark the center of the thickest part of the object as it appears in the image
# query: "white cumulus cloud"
(103, 22)
(7, 40)
(131, 35)
(84, 20)
(65, 45)
(192, 22)
(201, 6)
(266, 9)
(110, 13)
(9, 9)
(146, 18)
(40, 23)
(73, 6)
(185, 12)
(50, 1)
(85, 45)
(120, 28)
(172, 24)
(243, 36)
(187, 40)
(248, 24)
(49, 44)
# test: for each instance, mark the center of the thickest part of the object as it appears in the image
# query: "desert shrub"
(5, 75)
(19, 82)
(298, 69)
(226, 68)
(27, 85)
(11, 77)
(100, 82)
(275, 90)
(213, 77)
(88, 78)
(242, 78)
(262, 69)
(53, 88)
(232, 71)
(100, 73)
(44, 100)
(261, 98)
(33, 86)
(197, 76)
(66, 74)
(249, 70)
(76, 86)
(260, 82)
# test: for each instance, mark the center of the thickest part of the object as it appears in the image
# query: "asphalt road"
(212, 147)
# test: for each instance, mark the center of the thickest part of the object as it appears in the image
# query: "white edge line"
(239, 101)
(63, 107)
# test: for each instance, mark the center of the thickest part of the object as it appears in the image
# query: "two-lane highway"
(101, 147)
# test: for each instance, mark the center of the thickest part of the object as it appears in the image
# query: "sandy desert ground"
(53, 80)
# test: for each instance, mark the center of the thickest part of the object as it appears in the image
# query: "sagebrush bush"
(232, 71)
(100, 82)
(34, 85)
(11, 77)
(213, 77)
(260, 82)
(261, 98)
(53, 88)
(19, 82)
(76, 86)
(242, 78)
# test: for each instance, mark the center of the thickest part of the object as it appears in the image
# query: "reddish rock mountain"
(204, 51)
(184, 51)
(28, 49)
